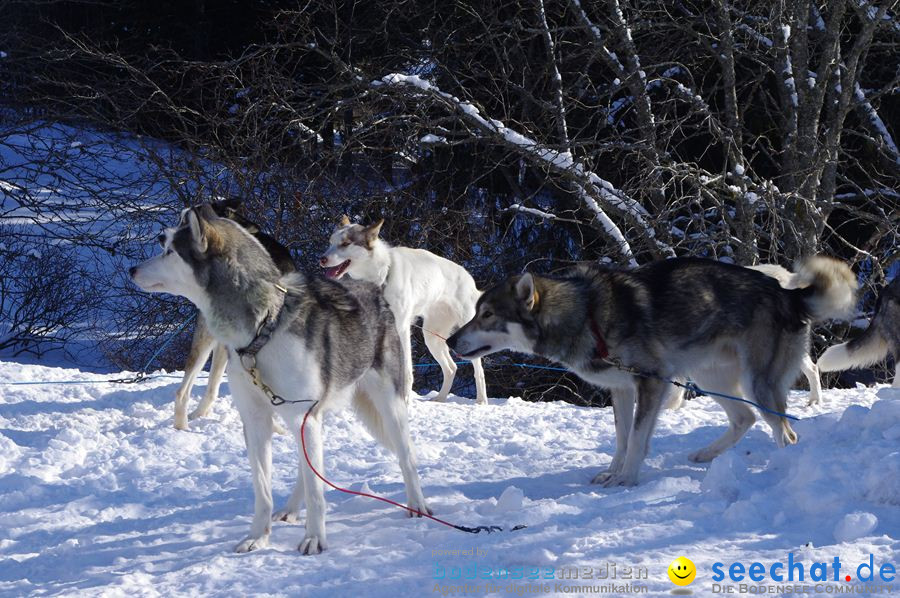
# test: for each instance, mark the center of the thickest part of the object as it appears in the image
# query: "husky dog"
(788, 280)
(203, 343)
(416, 283)
(731, 329)
(880, 338)
(311, 339)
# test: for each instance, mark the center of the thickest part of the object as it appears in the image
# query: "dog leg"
(290, 513)
(676, 399)
(202, 344)
(650, 397)
(403, 325)
(896, 383)
(480, 385)
(740, 419)
(623, 411)
(216, 369)
(812, 376)
(314, 541)
(767, 394)
(257, 422)
(393, 415)
(438, 349)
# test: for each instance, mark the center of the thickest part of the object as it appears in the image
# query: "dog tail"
(827, 286)
(867, 349)
(367, 413)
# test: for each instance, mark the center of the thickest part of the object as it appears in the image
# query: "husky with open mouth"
(309, 338)
(416, 283)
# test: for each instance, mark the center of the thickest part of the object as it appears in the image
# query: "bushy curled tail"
(828, 287)
(867, 349)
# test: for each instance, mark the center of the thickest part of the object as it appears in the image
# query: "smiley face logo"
(682, 571)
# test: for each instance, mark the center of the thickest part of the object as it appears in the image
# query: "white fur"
(416, 283)
(292, 372)
(838, 357)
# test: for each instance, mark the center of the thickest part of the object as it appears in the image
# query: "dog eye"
(168, 251)
(487, 314)
(345, 244)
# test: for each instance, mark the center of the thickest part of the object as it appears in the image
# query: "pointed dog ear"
(203, 235)
(372, 233)
(198, 234)
(344, 221)
(527, 292)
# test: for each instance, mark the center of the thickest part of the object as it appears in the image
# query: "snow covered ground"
(100, 496)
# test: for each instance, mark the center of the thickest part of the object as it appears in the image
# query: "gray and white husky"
(315, 340)
(788, 280)
(416, 283)
(730, 329)
(882, 337)
(203, 342)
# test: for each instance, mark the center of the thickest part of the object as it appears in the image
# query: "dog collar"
(601, 350)
(266, 329)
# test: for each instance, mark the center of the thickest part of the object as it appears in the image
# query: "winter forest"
(504, 135)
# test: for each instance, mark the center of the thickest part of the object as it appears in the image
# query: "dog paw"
(610, 479)
(704, 455)
(249, 544)
(601, 477)
(481, 401)
(419, 506)
(181, 424)
(312, 545)
(197, 414)
(286, 515)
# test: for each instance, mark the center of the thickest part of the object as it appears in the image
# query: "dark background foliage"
(747, 131)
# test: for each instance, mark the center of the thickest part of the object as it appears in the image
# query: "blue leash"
(142, 375)
(686, 385)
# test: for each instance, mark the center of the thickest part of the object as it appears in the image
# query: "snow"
(854, 526)
(431, 139)
(533, 211)
(876, 122)
(101, 496)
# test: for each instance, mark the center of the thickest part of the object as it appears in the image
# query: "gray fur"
(720, 324)
(334, 343)
(880, 339)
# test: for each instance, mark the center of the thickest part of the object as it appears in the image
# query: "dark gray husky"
(730, 329)
(308, 338)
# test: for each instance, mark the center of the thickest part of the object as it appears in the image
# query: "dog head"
(350, 248)
(231, 208)
(505, 318)
(191, 250)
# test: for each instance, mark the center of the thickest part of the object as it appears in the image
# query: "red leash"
(462, 528)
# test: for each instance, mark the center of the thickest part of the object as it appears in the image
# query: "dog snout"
(132, 271)
(323, 260)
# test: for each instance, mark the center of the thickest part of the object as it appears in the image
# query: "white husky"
(787, 280)
(416, 283)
